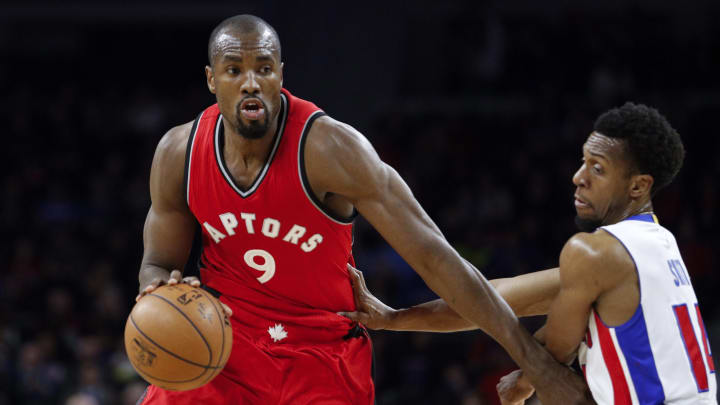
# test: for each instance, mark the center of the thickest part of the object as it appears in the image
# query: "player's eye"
(597, 169)
(266, 69)
(233, 70)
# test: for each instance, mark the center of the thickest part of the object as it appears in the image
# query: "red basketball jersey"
(271, 243)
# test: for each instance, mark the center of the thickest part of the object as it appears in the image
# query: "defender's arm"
(527, 294)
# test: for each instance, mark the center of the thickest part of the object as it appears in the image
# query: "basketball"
(178, 337)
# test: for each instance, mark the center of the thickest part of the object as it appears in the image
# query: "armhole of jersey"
(304, 180)
(639, 282)
(194, 261)
(188, 157)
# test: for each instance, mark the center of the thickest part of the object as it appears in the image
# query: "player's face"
(246, 78)
(603, 181)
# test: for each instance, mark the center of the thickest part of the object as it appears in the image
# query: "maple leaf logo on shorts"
(277, 332)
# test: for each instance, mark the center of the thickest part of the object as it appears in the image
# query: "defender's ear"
(641, 185)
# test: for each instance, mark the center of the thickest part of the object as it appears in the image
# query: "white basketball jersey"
(661, 355)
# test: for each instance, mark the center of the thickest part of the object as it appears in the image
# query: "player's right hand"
(172, 278)
(513, 389)
(369, 310)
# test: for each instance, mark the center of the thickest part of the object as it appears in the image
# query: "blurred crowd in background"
(482, 109)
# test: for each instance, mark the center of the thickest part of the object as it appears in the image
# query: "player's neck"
(637, 208)
(238, 146)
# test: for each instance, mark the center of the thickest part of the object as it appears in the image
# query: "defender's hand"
(513, 389)
(370, 311)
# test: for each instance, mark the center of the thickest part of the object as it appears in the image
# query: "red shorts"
(308, 359)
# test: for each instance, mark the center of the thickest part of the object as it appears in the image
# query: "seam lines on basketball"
(222, 330)
(192, 324)
(194, 327)
(205, 370)
(164, 349)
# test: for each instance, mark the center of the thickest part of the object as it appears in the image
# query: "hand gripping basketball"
(178, 337)
(175, 277)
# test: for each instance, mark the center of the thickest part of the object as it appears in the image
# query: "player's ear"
(210, 79)
(640, 185)
(282, 65)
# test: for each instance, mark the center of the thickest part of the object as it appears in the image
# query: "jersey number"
(692, 348)
(266, 265)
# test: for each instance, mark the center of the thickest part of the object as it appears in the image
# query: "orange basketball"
(178, 337)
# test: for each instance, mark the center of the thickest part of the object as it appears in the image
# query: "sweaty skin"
(344, 171)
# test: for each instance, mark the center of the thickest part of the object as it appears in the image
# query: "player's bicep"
(342, 161)
(169, 226)
(570, 310)
(567, 322)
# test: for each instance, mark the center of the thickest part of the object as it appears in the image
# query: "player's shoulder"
(171, 149)
(175, 140)
(338, 144)
(329, 135)
(169, 160)
(597, 255)
(340, 159)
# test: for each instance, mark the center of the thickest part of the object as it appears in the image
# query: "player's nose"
(578, 178)
(250, 85)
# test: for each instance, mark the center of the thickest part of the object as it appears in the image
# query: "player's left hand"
(513, 389)
(370, 311)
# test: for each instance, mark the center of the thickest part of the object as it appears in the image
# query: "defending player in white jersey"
(623, 299)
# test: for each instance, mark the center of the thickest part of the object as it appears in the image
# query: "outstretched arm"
(341, 161)
(527, 294)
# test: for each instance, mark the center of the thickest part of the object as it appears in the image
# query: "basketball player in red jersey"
(274, 185)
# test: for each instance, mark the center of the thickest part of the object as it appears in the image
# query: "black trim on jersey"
(194, 261)
(220, 157)
(358, 331)
(306, 183)
(188, 149)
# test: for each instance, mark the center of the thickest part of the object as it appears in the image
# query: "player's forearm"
(432, 316)
(470, 295)
(527, 295)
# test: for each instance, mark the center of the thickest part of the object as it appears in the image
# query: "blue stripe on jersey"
(643, 217)
(632, 337)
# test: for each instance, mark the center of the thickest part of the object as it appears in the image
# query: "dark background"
(482, 108)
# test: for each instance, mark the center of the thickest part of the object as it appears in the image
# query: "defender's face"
(602, 181)
(246, 78)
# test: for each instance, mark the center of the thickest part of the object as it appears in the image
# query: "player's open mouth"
(252, 109)
(579, 203)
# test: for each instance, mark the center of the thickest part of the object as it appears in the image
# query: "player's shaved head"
(242, 25)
